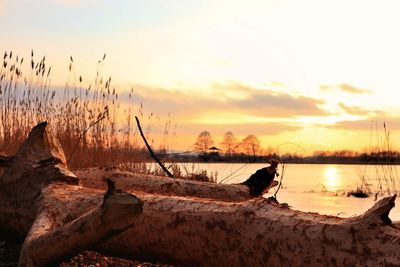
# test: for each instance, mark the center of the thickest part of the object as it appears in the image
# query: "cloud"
(193, 112)
(354, 110)
(230, 99)
(264, 102)
(324, 87)
(280, 105)
(353, 90)
(392, 124)
(162, 101)
(243, 128)
(354, 125)
(345, 88)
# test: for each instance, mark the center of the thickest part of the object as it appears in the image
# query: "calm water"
(318, 188)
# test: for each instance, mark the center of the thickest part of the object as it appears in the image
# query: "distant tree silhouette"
(250, 145)
(229, 143)
(204, 142)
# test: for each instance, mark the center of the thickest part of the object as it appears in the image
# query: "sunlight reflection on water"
(332, 178)
(318, 188)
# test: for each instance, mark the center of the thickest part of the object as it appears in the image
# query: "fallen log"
(56, 227)
(95, 178)
(39, 198)
(49, 241)
(38, 162)
(256, 233)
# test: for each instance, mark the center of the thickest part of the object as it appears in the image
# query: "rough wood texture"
(256, 233)
(55, 226)
(95, 178)
(38, 198)
(50, 240)
(38, 162)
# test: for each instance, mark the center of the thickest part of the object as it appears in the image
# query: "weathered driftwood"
(39, 197)
(56, 227)
(95, 178)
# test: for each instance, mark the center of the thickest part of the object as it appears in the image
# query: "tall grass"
(381, 164)
(94, 127)
(386, 171)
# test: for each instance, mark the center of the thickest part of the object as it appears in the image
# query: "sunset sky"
(312, 72)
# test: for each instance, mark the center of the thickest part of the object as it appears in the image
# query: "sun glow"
(223, 118)
(324, 120)
(280, 70)
(332, 178)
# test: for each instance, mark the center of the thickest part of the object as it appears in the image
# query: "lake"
(318, 188)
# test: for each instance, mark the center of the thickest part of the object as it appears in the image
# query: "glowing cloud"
(392, 123)
(233, 102)
(351, 89)
(354, 110)
(345, 88)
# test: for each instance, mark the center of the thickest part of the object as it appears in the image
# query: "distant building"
(213, 151)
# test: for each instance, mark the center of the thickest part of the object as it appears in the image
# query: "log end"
(41, 146)
(120, 209)
(379, 213)
(40, 152)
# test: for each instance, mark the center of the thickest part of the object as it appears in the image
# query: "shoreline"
(287, 162)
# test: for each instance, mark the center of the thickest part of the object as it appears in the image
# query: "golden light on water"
(332, 179)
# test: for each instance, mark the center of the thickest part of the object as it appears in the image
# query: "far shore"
(291, 160)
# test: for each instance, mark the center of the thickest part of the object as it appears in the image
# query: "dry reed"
(94, 127)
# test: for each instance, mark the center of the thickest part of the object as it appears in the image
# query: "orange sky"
(315, 73)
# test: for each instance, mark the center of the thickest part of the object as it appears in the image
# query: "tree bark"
(95, 178)
(57, 226)
(50, 240)
(40, 198)
(257, 233)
